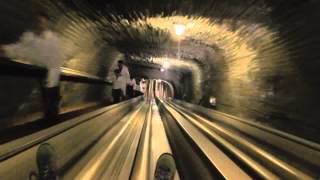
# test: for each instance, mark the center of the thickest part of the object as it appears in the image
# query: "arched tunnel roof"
(250, 54)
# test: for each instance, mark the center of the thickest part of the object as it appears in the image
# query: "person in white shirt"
(118, 87)
(137, 90)
(124, 71)
(44, 48)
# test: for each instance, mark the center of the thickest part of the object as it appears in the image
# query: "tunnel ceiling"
(215, 29)
(145, 28)
(229, 33)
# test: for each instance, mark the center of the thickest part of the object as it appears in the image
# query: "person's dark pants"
(116, 94)
(137, 93)
(51, 99)
(130, 91)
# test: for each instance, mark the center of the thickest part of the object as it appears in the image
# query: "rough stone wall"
(20, 97)
(280, 85)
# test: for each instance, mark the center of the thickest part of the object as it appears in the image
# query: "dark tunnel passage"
(258, 59)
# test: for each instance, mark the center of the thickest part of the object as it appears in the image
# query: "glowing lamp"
(166, 64)
(179, 29)
(213, 101)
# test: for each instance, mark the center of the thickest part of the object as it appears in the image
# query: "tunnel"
(226, 89)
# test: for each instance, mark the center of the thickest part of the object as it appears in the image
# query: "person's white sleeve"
(21, 49)
(126, 74)
(11, 50)
(124, 91)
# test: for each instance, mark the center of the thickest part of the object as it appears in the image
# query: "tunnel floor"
(155, 138)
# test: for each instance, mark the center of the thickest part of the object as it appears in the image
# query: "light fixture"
(179, 29)
(213, 101)
(162, 69)
(166, 64)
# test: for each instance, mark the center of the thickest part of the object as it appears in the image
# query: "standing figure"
(137, 89)
(130, 88)
(118, 87)
(42, 47)
(124, 72)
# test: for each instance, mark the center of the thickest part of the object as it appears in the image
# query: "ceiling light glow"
(166, 64)
(179, 29)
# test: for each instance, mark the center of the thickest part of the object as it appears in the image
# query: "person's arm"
(113, 78)
(124, 85)
(12, 50)
(127, 74)
(20, 48)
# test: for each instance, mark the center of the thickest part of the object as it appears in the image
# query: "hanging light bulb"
(179, 29)
(166, 64)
